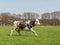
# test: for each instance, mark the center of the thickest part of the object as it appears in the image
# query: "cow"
(25, 26)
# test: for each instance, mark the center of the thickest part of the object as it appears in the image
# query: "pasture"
(47, 35)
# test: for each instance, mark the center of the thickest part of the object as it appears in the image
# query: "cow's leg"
(19, 32)
(26, 29)
(12, 31)
(33, 31)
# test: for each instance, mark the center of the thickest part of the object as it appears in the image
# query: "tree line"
(52, 18)
(8, 18)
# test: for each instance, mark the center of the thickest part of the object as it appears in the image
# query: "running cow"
(25, 26)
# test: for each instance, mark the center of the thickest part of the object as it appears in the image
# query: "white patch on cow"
(27, 22)
(37, 20)
(16, 23)
(38, 23)
(26, 28)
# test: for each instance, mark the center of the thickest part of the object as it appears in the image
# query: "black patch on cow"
(32, 23)
(29, 26)
(22, 25)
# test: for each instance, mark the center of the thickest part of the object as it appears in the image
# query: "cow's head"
(37, 22)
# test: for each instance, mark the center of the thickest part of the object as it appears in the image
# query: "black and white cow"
(25, 26)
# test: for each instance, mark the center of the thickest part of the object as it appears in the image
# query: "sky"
(37, 6)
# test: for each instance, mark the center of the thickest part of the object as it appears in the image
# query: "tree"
(7, 18)
(30, 15)
(51, 18)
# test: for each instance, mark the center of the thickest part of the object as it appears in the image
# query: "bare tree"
(51, 18)
(30, 15)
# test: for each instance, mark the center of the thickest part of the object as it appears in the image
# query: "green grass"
(47, 35)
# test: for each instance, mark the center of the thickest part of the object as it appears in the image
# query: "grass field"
(47, 35)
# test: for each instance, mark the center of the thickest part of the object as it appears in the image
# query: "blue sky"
(37, 6)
